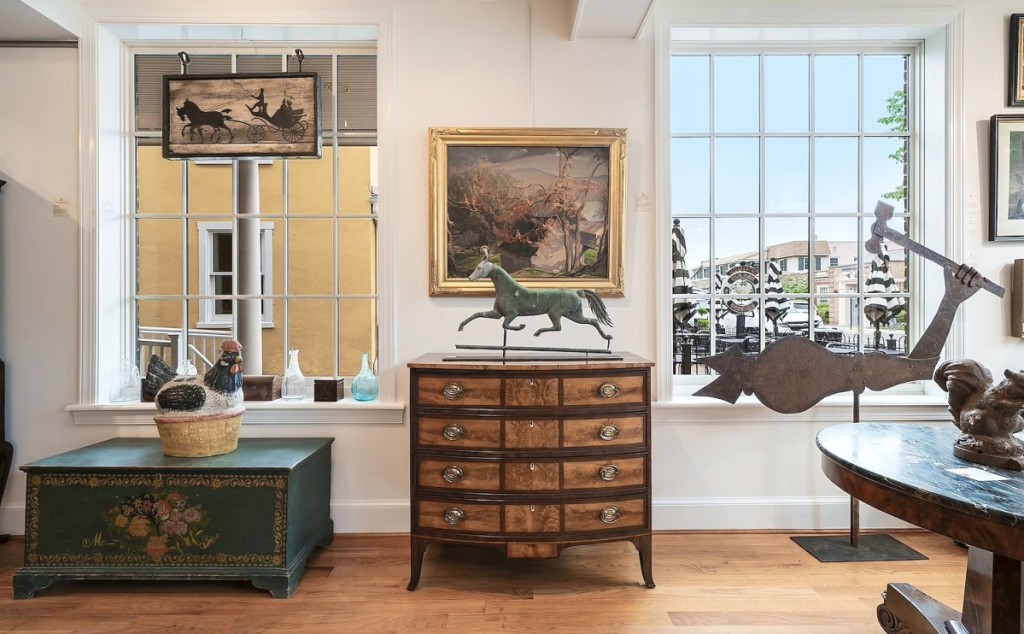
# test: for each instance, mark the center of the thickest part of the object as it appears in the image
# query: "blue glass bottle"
(366, 385)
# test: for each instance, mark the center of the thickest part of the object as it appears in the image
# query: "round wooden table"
(910, 472)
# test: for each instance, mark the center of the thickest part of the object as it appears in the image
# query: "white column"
(250, 311)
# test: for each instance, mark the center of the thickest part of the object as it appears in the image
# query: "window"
(316, 256)
(721, 163)
(119, 143)
(216, 266)
(782, 155)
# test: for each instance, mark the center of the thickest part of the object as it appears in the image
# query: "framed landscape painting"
(241, 116)
(547, 203)
(1006, 176)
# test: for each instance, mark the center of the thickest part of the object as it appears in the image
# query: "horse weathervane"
(513, 300)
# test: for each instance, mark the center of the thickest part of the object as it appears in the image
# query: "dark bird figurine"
(219, 391)
(988, 415)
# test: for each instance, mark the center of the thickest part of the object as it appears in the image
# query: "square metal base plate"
(836, 548)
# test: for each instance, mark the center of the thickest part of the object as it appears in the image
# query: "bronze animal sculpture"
(988, 415)
(512, 300)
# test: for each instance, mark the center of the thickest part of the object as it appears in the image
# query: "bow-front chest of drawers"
(530, 457)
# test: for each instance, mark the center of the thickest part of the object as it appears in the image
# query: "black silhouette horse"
(197, 118)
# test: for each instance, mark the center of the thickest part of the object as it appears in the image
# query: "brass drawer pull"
(453, 391)
(608, 432)
(609, 472)
(608, 390)
(452, 473)
(454, 515)
(454, 432)
(610, 515)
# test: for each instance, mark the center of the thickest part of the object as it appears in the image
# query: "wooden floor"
(757, 583)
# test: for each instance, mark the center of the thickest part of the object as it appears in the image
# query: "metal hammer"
(879, 230)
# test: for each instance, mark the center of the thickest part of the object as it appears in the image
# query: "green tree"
(896, 120)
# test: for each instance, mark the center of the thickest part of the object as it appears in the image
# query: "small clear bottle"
(294, 384)
(365, 386)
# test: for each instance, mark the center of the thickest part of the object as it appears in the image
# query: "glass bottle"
(365, 385)
(294, 385)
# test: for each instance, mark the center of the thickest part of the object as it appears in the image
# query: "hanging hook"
(300, 56)
(185, 61)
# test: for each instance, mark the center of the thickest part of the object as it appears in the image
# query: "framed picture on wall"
(1006, 177)
(241, 115)
(1015, 96)
(547, 203)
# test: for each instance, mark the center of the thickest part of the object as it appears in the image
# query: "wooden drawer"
(476, 475)
(471, 433)
(531, 392)
(601, 432)
(609, 515)
(461, 517)
(604, 390)
(459, 391)
(532, 476)
(605, 473)
(533, 518)
(531, 434)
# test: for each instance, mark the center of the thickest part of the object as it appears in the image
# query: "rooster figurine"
(988, 415)
(198, 416)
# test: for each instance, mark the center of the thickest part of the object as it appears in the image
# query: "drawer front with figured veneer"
(461, 517)
(606, 516)
(606, 473)
(603, 432)
(532, 476)
(531, 434)
(533, 518)
(472, 475)
(468, 433)
(458, 391)
(604, 390)
(531, 392)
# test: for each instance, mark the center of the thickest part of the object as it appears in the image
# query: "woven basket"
(194, 437)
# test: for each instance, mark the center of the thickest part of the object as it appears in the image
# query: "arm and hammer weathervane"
(817, 373)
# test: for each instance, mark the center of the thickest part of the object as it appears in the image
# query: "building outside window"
(782, 156)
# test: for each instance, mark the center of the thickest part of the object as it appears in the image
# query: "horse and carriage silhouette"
(286, 120)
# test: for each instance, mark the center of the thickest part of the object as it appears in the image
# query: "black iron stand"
(6, 448)
(842, 548)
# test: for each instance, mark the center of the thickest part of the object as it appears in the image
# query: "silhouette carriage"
(286, 120)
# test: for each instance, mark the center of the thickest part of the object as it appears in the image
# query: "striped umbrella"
(683, 308)
(881, 305)
(775, 306)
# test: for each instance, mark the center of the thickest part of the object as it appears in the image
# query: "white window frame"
(937, 34)
(208, 315)
(106, 175)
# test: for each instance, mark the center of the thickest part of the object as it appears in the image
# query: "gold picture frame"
(549, 203)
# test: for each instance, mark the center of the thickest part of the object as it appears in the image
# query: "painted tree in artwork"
(565, 200)
(491, 207)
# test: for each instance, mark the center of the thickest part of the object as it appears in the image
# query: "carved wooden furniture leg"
(993, 601)
(417, 548)
(907, 610)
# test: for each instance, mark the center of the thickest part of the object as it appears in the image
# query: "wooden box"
(121, 509)
(261, 387)
(329, 390)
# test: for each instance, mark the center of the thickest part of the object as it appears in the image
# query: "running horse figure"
(512, 299)
(197, 118)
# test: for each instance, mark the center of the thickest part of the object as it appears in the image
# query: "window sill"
(897, 408)
(256, 413)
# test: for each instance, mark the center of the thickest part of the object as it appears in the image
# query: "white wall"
(502, 63)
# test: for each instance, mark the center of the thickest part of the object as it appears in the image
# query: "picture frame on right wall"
(1015, 86)
(1006, 177)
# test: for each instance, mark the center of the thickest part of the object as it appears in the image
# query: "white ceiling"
(590, 19)
(20, 23)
